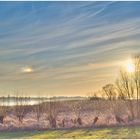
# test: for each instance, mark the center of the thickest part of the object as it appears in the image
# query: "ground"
(132, 132)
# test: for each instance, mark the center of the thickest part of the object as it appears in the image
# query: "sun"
(130, 67)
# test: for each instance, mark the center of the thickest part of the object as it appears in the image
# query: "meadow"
(131, 132)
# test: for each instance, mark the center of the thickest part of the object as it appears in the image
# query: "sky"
(65, 48)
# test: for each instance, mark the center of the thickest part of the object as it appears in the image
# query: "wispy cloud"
(68, 43)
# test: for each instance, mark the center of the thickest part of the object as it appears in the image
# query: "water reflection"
(23, 101)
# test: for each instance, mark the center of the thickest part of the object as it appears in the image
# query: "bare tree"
(126, 89)
(3, 110)
(109, 91)
(119, 119)
(94, 95)
(136, 61)
(120, 92)
(20, 108)
(77, 109)
(38, 109)
(95, 120)
(53, 111)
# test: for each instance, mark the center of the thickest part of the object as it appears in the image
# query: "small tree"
(120, 92)
(94, 96)
(109, 91)
(78, 108)
(20, 108)
(126, 89)
(3, 110)
(136, 77)
(38, 109)
(53, 111)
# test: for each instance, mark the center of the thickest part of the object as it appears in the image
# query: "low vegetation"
(94, 133)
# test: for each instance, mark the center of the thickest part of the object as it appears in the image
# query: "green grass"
(98, 133)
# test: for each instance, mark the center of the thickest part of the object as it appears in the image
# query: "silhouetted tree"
(3, 110)
(78, 108)
(20, 108)
(136, 61)
(109, 91)
(38, 109)
(95, 120)
(126, 89)
(119, 119)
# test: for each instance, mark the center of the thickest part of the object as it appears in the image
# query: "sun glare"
(27, 70)
(130, 67)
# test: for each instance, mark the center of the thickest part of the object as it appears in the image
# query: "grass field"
(114, 132)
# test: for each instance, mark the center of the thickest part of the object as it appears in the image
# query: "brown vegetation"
(119, 104)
